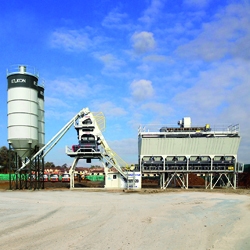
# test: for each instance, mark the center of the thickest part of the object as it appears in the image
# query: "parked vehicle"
(54, 178)
(44, 177)
(65, 177)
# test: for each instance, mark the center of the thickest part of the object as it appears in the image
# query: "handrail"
(152, 128)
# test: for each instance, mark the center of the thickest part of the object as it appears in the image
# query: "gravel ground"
(91, 219)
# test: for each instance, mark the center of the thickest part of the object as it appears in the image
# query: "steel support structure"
(89, 124)
(29, 177)
(174, 174)
(181, 179)
(104, 157)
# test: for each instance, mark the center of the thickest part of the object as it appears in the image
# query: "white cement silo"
(41, 122)
(23, 110)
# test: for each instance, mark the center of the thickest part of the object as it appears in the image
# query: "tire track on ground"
(28, 223)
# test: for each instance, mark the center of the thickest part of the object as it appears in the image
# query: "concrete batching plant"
(169, 153)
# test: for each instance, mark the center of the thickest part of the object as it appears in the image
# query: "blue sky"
(139, 62)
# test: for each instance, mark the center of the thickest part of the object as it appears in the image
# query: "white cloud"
(70, 40)
(127, 149)
(222, 92)
(158, 58)
(152, 12)
(160, 110)
(55, 102)
(109, 108)
(143, 42)
(227, 35)
(111, 63)
(69, 88)
(59, 114)
(197, 3)
(142, 89)
(116, 20)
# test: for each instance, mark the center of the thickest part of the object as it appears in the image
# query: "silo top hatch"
(22, 69)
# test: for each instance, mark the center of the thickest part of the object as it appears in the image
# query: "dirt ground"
(59, 218)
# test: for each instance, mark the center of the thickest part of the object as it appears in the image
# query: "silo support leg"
(72, 173)
(235, 181)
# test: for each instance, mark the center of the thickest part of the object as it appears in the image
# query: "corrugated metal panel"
(189, 146)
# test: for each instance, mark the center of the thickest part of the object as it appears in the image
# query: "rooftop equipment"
(185, 122)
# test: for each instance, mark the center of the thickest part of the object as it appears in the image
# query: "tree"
(49, 165)
(4, 158)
